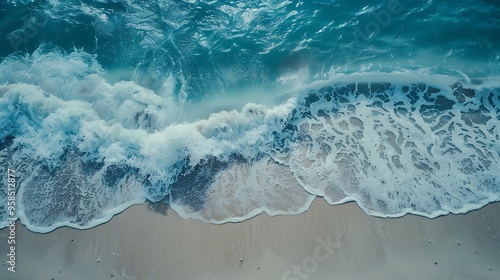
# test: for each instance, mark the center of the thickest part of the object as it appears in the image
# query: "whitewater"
(226, 110)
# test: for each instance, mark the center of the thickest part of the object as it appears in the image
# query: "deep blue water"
(226, 109)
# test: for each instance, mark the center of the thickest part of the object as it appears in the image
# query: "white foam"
(394, 157)
(390, 156)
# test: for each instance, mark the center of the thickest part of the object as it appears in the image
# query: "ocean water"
(226, 109)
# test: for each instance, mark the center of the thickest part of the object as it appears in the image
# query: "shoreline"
(324, 242)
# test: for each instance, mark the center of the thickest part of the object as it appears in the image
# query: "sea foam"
(396, 143)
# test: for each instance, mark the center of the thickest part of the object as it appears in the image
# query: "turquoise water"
(226, 109)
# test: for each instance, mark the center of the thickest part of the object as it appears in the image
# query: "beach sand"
(326, 242)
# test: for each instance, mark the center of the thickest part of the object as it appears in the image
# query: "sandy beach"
(326, 242)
